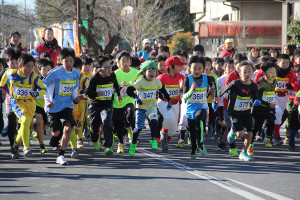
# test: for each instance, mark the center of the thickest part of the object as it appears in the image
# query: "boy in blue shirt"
(62, 92)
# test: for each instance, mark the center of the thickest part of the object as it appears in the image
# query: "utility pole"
(78, 24)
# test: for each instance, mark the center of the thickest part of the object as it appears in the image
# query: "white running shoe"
(61, 160)
(27, 152)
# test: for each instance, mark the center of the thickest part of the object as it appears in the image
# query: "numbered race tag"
(242, 103)
(269, 97)
(66, 88)
(281, 84)
(22, 91)
(147, 94)
(199, 96)
(173, 91)
(123, 91)
(107, 90)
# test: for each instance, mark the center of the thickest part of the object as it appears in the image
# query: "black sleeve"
(254, 91)
(226, 88)
(90, 91)
(212, 83)
(164, 92)
(232, 98)
(130, 92)
(186, 85)
(117, 88)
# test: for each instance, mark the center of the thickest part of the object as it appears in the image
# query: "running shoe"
(292, 147)
(34, 136)
(231, 136)
(80, 144)
(132, 149)
(108, 152)
(43, 149)
(222, 147)
(216, 136)
(250, 151)
(286, 141)
(154, 144)
(27, 152)
(180, 144)
(203, 151)
(74, 153)
(120, 148)
(258, 138)
(97, 145)
(278, 141)
(4, 132)
(233, 152)
(244, 156)
(194, 155)
(164, 142)
(61, 160)
(268, 143)
(15, 155)
(210, 130)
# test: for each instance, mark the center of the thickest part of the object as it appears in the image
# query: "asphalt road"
(273, 174)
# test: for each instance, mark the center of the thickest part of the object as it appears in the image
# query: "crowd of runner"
(185, 96)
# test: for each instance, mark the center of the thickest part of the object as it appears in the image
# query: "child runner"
(62, 92)
(145, 98)
(123, 115)
(240, 93)
(44, 67)
(24, 86)
(173, 82)
(11, 56)
(266, 111)
(229, 67)
(286, 80)
(100, 91)
(195, 90)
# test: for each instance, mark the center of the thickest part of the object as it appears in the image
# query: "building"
(251, 23)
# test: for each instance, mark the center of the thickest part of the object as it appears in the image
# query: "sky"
(29, 3)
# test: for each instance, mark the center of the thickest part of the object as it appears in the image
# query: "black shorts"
(242, 122)
(57, 120)
(41, 111)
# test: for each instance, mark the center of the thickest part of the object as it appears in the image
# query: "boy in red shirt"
(172, 80)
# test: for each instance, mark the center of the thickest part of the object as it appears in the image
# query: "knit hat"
(146, 65)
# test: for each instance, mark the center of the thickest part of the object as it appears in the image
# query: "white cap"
(146, 41)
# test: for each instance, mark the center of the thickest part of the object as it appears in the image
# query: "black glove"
(169, 106)
(289, 86)
(138, 100)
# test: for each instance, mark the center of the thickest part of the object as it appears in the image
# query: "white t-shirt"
(221, 83)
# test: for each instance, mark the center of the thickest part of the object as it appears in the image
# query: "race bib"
(242, 103)
(269, 97)
(173, 91)
(22, 91)
(281, 84)
(123, 91)
(199, 96)
(147, 94)
(107, 91)
(66, 88)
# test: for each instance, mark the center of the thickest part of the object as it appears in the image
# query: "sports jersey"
(62, 88)
(215, 76)
(288, 76)
(239, 97)
(146, 90)
(40, 101)
(172, 85)
(108, 85)
(21, 86)
(198, 99)
(83, 82)
(129, 78)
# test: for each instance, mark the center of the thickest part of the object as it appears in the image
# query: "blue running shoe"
(244, 156)
(4, 131)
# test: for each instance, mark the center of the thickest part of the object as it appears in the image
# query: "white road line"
(271, 194)
(227, 186)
